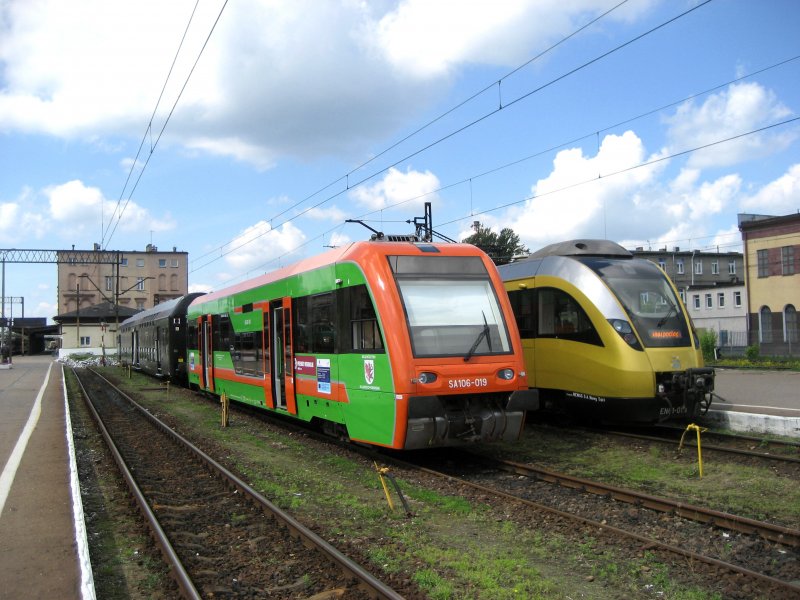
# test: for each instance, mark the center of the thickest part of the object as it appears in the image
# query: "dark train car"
(154, 340)
(606, 335)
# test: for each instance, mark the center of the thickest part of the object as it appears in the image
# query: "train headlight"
(625, 331)
(427, 377)
(507, 374)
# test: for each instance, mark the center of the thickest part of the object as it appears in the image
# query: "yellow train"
(606, 336)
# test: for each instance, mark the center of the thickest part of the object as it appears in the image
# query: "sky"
(247, 133)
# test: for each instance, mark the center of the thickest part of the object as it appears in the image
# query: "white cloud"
(337, 240)
(574, 201)
(742, 107)
(779, 197)
(78, 210)
(332, 214)
(371, 66)
(262, 247)
(413, 188)
(428, 39)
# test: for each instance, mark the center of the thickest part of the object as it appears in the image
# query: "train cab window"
(561, 316)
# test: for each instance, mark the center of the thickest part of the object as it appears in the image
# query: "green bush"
(751, 353)
(708, 341)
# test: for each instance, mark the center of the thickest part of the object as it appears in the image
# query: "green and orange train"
(404, 345)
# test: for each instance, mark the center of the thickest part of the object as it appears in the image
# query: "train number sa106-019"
(467, 383)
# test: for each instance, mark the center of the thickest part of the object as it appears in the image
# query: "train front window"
(646, 295)
(451, 307)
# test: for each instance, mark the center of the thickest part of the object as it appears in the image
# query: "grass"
(756, 492)
(453, 549)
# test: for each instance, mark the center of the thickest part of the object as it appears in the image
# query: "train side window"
(222, 331)
(364, 330)
(301, 335)
(323, 339)
(247, 353)
(523, 305)
(561, 316)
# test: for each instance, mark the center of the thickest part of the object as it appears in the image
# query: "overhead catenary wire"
(166, 121)
(365, 179)
(555, 191)
(506, 165)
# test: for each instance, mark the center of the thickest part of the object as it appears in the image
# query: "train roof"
(557, 257)
(598, 248)
(350, 252)
(161, 310)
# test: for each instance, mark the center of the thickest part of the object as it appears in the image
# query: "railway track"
(220, 537)
(757, 551)
(750, 446)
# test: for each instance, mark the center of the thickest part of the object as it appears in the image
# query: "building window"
(173, 282)
(174, 263)
(731, 267)
(162, 263)
(85, 341)
(696, 300)
(109, 283)
(682, 294)
(765, 325)
(140, 284)
(720, 300)
(698, 267)
(709, 301)
(715, 267)
(737, 299)
(787, 260)
(662, 263)
(123, 262)
(679, 266)
(790, 331)
(139, 262)
(162, 283)
(140, 304)
(763, 263)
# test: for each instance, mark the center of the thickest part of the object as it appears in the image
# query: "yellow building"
(772, 275)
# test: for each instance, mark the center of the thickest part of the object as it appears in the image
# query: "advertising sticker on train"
(324, 375)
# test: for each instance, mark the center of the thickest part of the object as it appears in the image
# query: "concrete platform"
(43, 550)
(757, 402)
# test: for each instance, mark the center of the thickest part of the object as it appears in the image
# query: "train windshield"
(648, 298)
(451, 306)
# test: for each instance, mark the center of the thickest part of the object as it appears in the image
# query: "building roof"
(105, 311)
(749, 221)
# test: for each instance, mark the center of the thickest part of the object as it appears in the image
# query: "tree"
(501, 247)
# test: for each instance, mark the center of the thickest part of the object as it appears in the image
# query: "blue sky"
(557, 118)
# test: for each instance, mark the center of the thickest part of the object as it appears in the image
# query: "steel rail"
(740, 451)
(374, 586)
(774, 533)
(177, 570)
(785, 585)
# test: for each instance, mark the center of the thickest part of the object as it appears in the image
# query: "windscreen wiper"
(483, 334)
(665, 318)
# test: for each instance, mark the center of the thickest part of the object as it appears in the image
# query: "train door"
(158, 349)
(266, 357)
(135, 347)
(207, 348)
(281, 355)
